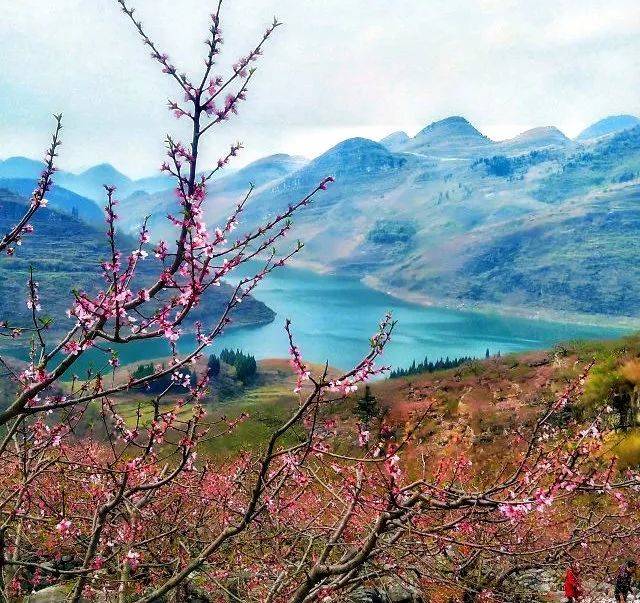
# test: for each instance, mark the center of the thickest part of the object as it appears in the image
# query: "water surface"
(333, 318)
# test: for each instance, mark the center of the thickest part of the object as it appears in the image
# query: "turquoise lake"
(333, 318)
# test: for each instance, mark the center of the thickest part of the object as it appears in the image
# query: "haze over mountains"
(540, 222)
(89, 184)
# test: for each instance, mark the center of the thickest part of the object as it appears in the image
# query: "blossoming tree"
(129, 512)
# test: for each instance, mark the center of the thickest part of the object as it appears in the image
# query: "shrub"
(388, 232)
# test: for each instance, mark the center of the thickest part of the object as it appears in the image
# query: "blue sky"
(339, 68)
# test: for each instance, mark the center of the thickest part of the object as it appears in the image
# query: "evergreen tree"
(427, 366)
(367, 407)
(246, 368)
(213, 366)
(245, 364)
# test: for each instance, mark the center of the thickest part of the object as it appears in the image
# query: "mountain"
(88, 184)
(396, 141)
(577, 252)
(65, 254)
(613, 160)
(580, 258)
(364, 167)
(537, 223)
(609, 125)
(223, 194)
(534, 139)
(450, 126)
(456, 138)
(366, 172)
(59, 199)
(263, 170)
(151, 184)
(21, 167)
(453, 136)
(91, 182)
(104, 172)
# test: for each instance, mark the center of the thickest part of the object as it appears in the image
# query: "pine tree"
(213, 366)
(427, 366)
(367, 407)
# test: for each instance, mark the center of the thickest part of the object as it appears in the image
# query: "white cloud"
(581, 26)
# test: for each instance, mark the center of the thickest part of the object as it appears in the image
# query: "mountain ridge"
(455, 125)
(609, 125)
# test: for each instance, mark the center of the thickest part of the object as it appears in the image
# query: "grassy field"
(266, 408)
(474, 406)
(266, 403)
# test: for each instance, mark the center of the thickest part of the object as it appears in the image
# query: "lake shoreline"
(427, 301)
(594, 320)
(335, 316)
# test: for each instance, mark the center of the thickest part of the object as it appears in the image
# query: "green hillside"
(553, 227)
(65, 254)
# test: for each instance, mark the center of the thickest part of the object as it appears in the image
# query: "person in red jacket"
(572, 586)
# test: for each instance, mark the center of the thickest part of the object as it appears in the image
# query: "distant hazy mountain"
(453, 136)
(223, 193)
(21, 167)
(89, 184)
(396, 141)
(59, 199)
(151, 184)
(609, 125)
(66, 253)
(534, 139)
